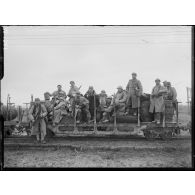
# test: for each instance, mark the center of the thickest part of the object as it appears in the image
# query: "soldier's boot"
(127, 111)
(37, 139)
(43, 138)
(135, 112)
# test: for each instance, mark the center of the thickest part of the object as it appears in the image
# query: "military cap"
(169, 83)
(59, 85)
(103, 91)
(134, 73)
(157, 79)
(90, 87)
(37, 99)
(165, 81)
(72, 82)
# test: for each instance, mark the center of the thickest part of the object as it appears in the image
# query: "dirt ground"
(176, 154)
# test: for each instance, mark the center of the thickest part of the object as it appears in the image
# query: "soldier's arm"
(152, 94)
(162, 91)
(174, 94)
(85, 101)
(65, 96)
(86, 95)
(69, 93)
(127, 87)
(44, 111)
(30, 113)
(124, 99)
(140, 87)
(58, 106)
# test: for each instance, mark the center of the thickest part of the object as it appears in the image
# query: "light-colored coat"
(73, 90)
(134, 89)
(59, 94)
(119, 100)
(156, 99)
(60, 111)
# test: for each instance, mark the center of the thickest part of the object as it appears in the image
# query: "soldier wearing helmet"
(81, 105)
(59, 92)
(93, 99)
(72, 93)
(60, 110)
(118, 102)
(157, 101)
(134, 90)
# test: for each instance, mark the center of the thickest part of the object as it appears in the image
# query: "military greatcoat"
(134, 89)
(34, 113)
(156, 99)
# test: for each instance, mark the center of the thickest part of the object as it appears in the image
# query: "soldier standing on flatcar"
(102, 102)
(165, 84)
(59, 93)
(72, 93)
(90, 96)
(82, 105)
(37, 114)
(171, 94)
(157, 101)
(134, 90)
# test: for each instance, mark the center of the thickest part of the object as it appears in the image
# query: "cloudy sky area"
(36, 59)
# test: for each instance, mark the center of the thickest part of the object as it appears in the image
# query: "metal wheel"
(166, 135)
(149, 135)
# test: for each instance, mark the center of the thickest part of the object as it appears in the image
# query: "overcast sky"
(37, 59)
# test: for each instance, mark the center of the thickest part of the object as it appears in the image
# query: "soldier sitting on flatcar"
(81, 105)
(59, 93)
(60, 110)
(118, 102)
(72, 93)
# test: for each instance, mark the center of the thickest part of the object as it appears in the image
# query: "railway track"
(100, 143)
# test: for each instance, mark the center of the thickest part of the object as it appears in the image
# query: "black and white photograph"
(92, 96)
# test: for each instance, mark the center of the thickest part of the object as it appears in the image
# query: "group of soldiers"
(85, 107)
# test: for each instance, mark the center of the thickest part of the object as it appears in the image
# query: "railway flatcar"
(119, 125)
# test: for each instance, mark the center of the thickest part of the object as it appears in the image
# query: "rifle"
(95, 122)
(115, 124)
